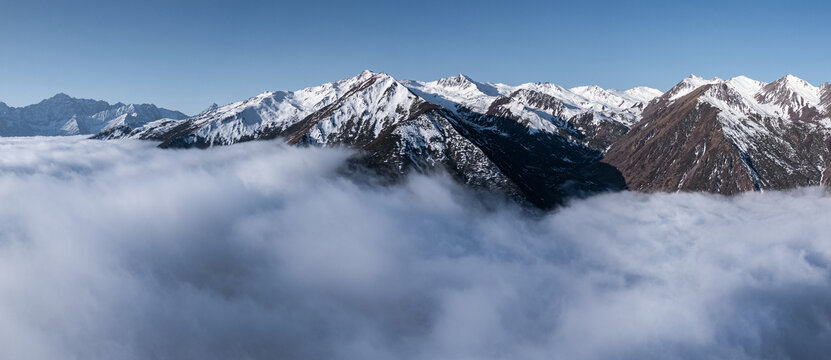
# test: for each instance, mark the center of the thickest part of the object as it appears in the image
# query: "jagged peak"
(460, 80)
(790, 90)
(696, 80)
(695, 77)
(688, 84)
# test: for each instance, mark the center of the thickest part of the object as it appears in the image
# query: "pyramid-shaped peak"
(457, 80)
(369, 73)
(793, 80)
(795, 84)
(790, 91)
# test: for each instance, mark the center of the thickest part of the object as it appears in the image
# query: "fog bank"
(119, 250)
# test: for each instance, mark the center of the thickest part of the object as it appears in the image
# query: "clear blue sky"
(187, 54)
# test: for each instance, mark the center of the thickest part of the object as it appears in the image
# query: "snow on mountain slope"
(360, 115)
(689, 84)
(751, 108)
(541, 139)
(792, 96)
(64, 115)
(788, 99)
(458, 91)
(397, 131)
(588, 115)
(244, 120)
(274, 112)
(609, 99)
(643, 94)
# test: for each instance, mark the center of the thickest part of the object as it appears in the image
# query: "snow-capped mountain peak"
(790, 92)
(461, 93)
(455, 92)
(788, 98)
(745, 85)
(643, 94)
(460, 81)
(325, 109)
(614, 99)
(688, 85)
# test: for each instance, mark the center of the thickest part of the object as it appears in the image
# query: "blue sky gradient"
(186, 55)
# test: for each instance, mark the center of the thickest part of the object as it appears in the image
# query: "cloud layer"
(118, 250)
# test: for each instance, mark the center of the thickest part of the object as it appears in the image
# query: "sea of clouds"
(119, 250)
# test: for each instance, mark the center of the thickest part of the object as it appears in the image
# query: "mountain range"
(65, 115)
(538, 142)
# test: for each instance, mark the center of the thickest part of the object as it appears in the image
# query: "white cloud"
(120, 250)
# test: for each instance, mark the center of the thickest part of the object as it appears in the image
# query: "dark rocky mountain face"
(446, 149)
(547, 167)
(595, 133)
(680, 147)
